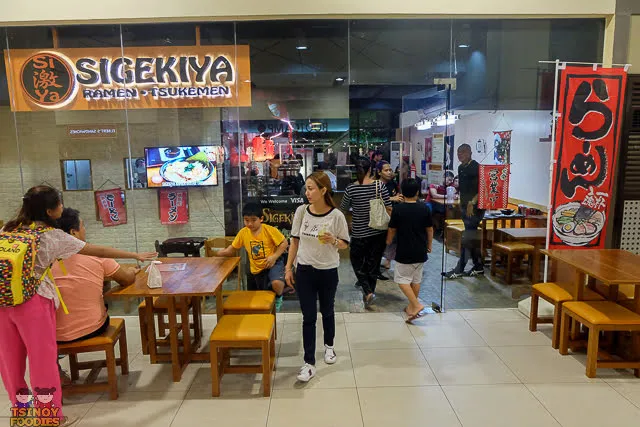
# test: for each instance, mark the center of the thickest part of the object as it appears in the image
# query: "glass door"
(425, 152)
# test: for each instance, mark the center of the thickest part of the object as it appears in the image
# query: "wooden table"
(202, 277)
(537, 237)
(612, 267)
(505, 221)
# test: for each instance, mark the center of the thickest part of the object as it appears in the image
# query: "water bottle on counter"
(451, 195)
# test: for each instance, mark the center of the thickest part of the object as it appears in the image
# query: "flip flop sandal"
(415, 316)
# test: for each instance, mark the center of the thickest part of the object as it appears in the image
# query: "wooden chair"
(255, 331)
(160, 309)
(250, 302)
(453, 235)
(599, 316)
(556, 294)
(509, 251)
(116, 332)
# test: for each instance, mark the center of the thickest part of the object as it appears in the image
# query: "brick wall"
(43, 144)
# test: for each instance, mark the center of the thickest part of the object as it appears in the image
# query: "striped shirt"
(357, 197)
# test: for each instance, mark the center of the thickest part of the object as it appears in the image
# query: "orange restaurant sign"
(146, 77)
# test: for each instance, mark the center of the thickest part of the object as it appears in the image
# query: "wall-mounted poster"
(502, 147)
(174, 206)
(111, 207)
(135, 171)
(587, 137)
(437, 148)
(428, 146)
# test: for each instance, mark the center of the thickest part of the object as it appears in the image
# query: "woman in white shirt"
(319, 230)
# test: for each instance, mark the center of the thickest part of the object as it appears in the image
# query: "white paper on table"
(172, 267)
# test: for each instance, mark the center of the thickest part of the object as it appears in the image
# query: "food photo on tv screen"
(181, 166)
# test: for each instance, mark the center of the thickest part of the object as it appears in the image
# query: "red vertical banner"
(174, 206)
(428, 149)
(587, 137)
(111, 208)
(494, 187)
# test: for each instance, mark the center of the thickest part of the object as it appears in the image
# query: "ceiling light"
(423, 125)
(301, 47)
(339, 79)
(463, 46)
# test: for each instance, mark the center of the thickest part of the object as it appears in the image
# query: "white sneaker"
(306, 373)
(329, 355)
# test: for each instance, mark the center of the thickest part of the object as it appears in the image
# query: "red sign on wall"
(588, 132)
(174, 206)
(494, 187)
(111, 208)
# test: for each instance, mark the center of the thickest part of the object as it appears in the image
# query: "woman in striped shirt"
(367, 244)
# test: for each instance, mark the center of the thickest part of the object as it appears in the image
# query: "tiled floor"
(460, 368)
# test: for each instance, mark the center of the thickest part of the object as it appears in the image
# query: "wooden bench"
(599, 316)
(556, 294)
(116, 332)
(509, 251)
(250, 302)
(235, 331)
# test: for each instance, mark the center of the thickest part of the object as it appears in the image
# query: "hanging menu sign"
(111, 208)
(174, 206)
(141, 77)
(587, 138)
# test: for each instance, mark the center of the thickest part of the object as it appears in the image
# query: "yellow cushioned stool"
(250, 302)
(116, 332)
(509, 250)
(160, 309)
(243, 331)
(556, 294)
(600, 316)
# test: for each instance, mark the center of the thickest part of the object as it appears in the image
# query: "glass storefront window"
(295, 96)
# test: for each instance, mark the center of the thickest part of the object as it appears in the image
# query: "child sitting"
(265, 245)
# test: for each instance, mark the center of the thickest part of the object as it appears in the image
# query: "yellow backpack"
(18, 280)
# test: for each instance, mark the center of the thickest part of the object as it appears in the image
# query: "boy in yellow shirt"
(265, 245)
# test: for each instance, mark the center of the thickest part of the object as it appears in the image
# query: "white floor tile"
(586, 405)
(491, 316)
(379, 336)
(372, 317)
(236, 410)
(381, 368)
(468, 365)
(446, 334)
(315, 408)
(406, 406)
(510, 333)
(543, 365)
(338, 375)
(630, 390)
(134, 410)
(503, 405)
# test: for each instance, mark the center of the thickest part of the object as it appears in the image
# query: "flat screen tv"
(181, 166)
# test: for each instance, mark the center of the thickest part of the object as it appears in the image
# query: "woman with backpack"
(29, 245)
(367, 244)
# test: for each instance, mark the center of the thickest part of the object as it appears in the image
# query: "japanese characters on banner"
(494, 187)
(588, 131)
(174, 206)
(111, 208)
(502, 147)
